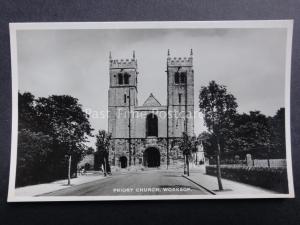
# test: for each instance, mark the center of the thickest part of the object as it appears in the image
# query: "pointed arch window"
(151, 125)
(176, 77)
(180, 77)
(120, 78)
(183, 77)
(126, 78)
(179, 97)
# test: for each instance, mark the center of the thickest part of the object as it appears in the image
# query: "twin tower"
(147, 134)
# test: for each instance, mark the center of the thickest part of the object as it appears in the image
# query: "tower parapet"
(185, 61)
(123, 63)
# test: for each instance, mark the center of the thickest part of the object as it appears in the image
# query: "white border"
(288, 24)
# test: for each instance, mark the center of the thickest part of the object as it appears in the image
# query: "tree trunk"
(184, 164)
(69, 170)
(187, 166)
(104, 166)
(269, 155)
(218, 166)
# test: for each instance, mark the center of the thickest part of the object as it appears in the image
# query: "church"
(147, 134)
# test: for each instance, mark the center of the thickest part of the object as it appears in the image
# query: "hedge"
(270, 178)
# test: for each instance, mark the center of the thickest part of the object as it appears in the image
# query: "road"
(152, 182)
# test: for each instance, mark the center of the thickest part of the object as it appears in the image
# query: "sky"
(250, 62)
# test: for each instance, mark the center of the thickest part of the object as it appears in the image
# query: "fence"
(272, 163)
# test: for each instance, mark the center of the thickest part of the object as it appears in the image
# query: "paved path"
(152, 182)
(230, 187)
(39, 189)
(198, 176)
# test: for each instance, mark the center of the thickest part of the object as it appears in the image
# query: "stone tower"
(180, 95)
(122, 98)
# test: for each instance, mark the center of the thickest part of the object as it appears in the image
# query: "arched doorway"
(123, 161)
(151, 125)
(152, 157)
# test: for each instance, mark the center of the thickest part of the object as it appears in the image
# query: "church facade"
(147, 134)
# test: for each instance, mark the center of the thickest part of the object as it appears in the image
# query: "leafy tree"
(27, 113)
(251, 132)
(102, 143)
(188, 145)
(277, 124)
(209, 145)
(33, 149)
(218, 108)
(62, 117)
(257, 134)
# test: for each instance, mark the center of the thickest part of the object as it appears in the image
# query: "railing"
(228, 162)
(272, 163)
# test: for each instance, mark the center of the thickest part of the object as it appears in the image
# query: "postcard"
(151, 110)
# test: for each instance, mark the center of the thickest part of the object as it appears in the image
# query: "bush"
(40, 161)
(271, 178)
(33, 149)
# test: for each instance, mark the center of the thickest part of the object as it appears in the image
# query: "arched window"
(120, 78)
(176, 78)
(180, 77)
(151, 125)
(183, 77)
(126, 78)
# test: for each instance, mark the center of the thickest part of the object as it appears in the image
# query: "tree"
(218, 108)
(250, 133)
(188, 145)
(102, 143)
(27, 113)
(56, 126)
(33, 149)
(62, 118)
(254, 133)
(277, 127)
(208, 144)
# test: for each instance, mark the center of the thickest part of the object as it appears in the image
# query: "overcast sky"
(250, 62)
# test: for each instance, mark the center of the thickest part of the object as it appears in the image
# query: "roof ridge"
(149, 103)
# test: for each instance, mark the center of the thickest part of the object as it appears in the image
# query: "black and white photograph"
(150, 110)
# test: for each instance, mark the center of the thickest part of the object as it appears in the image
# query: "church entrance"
(152, 157)
(123, 161)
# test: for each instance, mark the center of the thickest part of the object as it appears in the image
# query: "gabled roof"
(151, 101)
